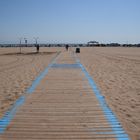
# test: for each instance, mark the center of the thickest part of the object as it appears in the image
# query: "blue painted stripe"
(65, 66)
(111, 119)
(6, 119)
(41, 76)
(37, 80)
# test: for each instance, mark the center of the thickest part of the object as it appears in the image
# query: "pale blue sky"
(70, 21)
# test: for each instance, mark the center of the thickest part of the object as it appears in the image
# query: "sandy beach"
(116, 72)
(17, 71)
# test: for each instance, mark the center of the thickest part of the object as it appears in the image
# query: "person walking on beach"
(67, 47)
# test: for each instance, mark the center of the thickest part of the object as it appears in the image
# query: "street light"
(25, 39)
(20, 39)
(36, 45)
(36, 38)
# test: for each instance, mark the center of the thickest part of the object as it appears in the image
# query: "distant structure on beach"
(93, 43)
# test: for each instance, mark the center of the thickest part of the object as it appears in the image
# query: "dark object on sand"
(37, 48)
(67, 47)
(77, 50)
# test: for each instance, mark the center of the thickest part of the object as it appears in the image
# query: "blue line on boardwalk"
(9, 115)
(6, 119)
(37, 80)
(111, 119)
(65, 66)
(40, 77)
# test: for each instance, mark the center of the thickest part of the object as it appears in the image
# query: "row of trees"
(97, 44)
(73, 45)
(114, 45)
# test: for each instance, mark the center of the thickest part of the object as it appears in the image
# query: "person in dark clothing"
(67, 47)
(37, 48)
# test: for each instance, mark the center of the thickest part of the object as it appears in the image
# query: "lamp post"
(20, 39)
(36, 44)
(36, 38)
(25, 39)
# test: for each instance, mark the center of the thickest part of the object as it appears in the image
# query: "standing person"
(67, 47)
(37, 48)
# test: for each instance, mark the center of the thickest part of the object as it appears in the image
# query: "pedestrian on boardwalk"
(67, 47)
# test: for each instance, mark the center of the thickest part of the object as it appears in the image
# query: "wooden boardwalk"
(62, 107)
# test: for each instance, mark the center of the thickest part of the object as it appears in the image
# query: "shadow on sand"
(29, 53)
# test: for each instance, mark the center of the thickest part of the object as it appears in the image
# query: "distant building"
(93, 43)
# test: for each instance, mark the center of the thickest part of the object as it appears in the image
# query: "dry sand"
(116, 71)
(17, 71)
